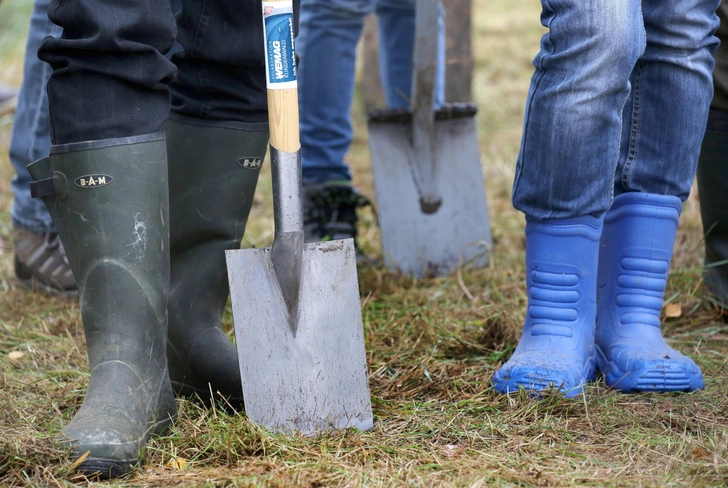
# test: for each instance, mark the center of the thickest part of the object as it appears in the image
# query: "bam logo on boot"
(93, 181)
(250, 163)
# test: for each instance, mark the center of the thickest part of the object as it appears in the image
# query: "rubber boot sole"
(105, 469)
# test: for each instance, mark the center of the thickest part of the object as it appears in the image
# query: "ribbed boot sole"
(539, 384)
(656, 380)
(105, 468)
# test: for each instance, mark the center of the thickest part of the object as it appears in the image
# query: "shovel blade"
(418, 243)
(313, 379)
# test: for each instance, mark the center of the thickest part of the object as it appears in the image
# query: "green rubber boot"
(713, 188)
(214, 169)
(109, 201)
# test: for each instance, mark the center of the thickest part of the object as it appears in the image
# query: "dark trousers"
(720, 75)
(713, 171)
(111, 79)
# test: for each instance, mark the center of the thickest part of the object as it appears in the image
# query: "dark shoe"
(41, 262)
(329, 213)
(111, 209)
(214, 169)
(8, 99)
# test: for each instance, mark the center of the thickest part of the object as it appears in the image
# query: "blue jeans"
(619, 102)
(31, 138)
(326, 44)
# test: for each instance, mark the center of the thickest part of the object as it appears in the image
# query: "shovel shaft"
(285, 143)
(424, 58)
(287, 192)
(287, 250)
(426, 169)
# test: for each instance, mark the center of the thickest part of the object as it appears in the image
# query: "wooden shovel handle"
(283, 119)
(283, 114)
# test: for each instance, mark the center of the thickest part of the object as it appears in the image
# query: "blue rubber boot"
(634, 261)
(556, 349)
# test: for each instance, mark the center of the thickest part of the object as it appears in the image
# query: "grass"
(431, 350)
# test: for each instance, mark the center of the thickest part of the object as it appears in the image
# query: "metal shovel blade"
(313, 377)
(430, 244)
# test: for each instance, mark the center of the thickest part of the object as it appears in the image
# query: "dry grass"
(431, 351)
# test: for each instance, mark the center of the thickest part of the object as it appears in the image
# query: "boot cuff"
(638, 204)
(104, 143)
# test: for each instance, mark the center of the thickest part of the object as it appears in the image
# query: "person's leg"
(660, 147)
(713, 187)
(326, 77)
(396, 20)
(573, 117)
(31, 138)
(713, 172)
(661, 134)
(563, 184)
(40, 259)
(221, 71)
(216, 138)
(107, 100)
(109, 75)
(326, 45)
(720, 74)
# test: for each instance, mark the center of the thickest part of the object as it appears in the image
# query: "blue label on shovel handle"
(280, 61)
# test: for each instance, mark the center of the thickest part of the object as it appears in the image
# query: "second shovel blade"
(415, 242)
(315, 380)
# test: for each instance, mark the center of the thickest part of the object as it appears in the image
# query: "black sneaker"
(41, 262)
(329, 213)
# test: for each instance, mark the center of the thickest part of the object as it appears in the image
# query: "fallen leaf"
(177, 463)
(673, 310)
(700, 453)
(16, 355)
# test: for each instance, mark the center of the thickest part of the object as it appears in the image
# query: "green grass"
(431, 350)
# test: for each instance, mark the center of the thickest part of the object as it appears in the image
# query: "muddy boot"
(713, 188)
(109, 201)
(213, 171)
(556, 349)
(634, 262)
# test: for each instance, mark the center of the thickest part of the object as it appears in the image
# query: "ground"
(433, 345)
